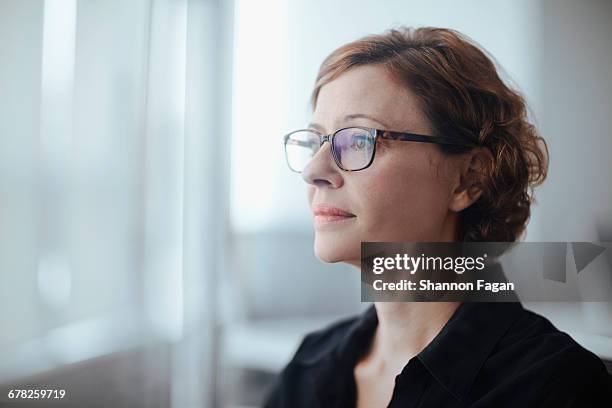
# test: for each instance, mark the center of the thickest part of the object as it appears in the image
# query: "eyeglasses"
(352, 148)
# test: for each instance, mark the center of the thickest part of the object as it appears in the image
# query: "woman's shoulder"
(316, 354)
(536, 337)
(534, 354)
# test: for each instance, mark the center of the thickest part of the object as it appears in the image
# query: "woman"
(429, 145)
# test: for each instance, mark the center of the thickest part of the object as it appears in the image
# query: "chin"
(330, 250)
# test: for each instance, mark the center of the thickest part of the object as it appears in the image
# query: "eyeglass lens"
(353, 148)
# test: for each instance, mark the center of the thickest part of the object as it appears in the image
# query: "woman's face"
(407, 192)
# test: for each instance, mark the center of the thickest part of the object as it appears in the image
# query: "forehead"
(369, 90)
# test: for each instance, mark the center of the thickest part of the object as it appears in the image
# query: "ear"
(472, 174)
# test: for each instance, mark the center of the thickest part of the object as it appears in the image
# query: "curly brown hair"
(461, 93)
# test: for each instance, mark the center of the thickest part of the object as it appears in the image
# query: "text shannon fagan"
(428, 285)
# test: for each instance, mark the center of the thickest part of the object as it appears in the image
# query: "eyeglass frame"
(382, 133)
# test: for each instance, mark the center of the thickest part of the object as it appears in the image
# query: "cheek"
(404, 202)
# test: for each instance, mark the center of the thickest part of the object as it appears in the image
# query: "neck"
(406, 328)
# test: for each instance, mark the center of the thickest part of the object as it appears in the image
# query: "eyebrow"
(349, 117)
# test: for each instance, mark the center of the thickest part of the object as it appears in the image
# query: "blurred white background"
(154, 248)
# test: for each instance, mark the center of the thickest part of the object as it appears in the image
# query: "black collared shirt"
(487, 355)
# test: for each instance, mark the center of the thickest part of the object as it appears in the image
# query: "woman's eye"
(359, 142)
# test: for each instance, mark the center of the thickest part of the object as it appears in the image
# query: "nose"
(322, 169)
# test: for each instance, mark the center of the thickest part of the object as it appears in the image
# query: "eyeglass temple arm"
(413, 137)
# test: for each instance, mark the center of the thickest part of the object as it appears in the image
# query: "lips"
(325, 214)
(329, 210)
